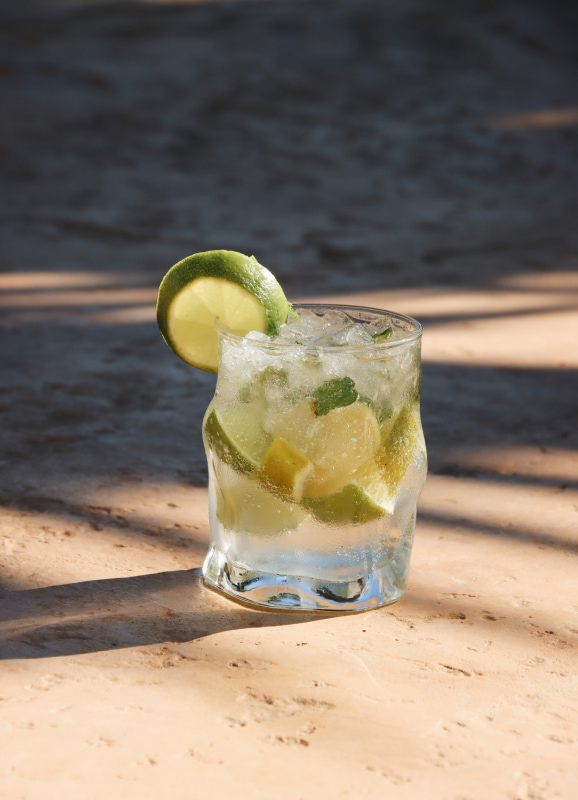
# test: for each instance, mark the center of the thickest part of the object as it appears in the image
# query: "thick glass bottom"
(301, 593)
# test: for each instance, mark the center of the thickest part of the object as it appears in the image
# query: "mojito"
(313, 438)
(316, 460)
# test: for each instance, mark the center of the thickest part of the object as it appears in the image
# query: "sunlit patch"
(32, 281)
(81, 520)
(557, 281)
(538, 120)
(528, 292)
(535, 340)
(75, 298)
(526, 464)
(522, 321)
(124, 316)
(510, 511)
(142, 2)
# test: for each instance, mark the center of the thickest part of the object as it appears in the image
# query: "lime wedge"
(350, 506)
(343, 440)
(396, 452)
(284, 471)
(245, 507)
(337, 443)
(218, 284)
(234, 435)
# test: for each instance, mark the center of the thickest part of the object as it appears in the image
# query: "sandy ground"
(420, 156)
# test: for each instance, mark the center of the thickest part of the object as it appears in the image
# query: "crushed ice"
(333, 329)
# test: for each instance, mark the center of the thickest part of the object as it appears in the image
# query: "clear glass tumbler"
(316, 461)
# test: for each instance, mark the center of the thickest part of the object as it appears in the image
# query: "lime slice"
(350, 506)
(284, 471)
(296, 423)
(344, 440)
(234, 434)
(245, 507)
(396, 452)
(337, 443)
(370, 477)
(218, 284)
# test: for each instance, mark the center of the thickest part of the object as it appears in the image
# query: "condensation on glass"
(341, 538)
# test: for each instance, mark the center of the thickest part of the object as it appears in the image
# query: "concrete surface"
(419, 156)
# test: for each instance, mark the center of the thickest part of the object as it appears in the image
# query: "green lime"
(396, 452)
(350, 506)
(218, 284)
(234, 434)
(337, 443)
(284, 470)
(344, 439)
(245, 507)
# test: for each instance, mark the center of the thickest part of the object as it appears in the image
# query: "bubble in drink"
(329, 504)
(313, 438)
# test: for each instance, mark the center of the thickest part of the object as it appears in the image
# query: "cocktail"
(314, 444)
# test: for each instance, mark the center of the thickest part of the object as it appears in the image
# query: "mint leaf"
(382, 411)
(274, 375)
(270, 376)
(385, 412)
(332, 394)
(381, 337)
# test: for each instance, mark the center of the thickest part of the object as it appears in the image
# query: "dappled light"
(418, 157)
(488, 320)
(491, 321)
(175, 607)
(518, 463)
(541, 120)
(54, 281)
(143, 2)
(508, 510)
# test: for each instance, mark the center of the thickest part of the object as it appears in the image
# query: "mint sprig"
(381, 337)
(336, 393)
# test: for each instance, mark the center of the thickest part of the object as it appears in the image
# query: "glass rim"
(412, 336)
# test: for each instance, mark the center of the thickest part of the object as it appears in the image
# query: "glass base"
(300, 593)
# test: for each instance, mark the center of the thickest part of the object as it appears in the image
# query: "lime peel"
(351, 506)
(235, 436)
(242, 505)
(218, 284)
(285, 470)
(396, 452)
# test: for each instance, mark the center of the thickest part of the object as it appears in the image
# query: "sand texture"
(419, 156)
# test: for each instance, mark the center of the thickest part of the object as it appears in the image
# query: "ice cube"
(352, 335)
(379, 326)
(357, 334)
(292, 333)
(336, 319)
(311, 320)
(328, 339)
(257, 336)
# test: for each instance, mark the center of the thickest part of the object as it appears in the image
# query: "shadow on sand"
(94, 616)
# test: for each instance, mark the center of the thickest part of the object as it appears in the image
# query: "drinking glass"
(313, 491)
